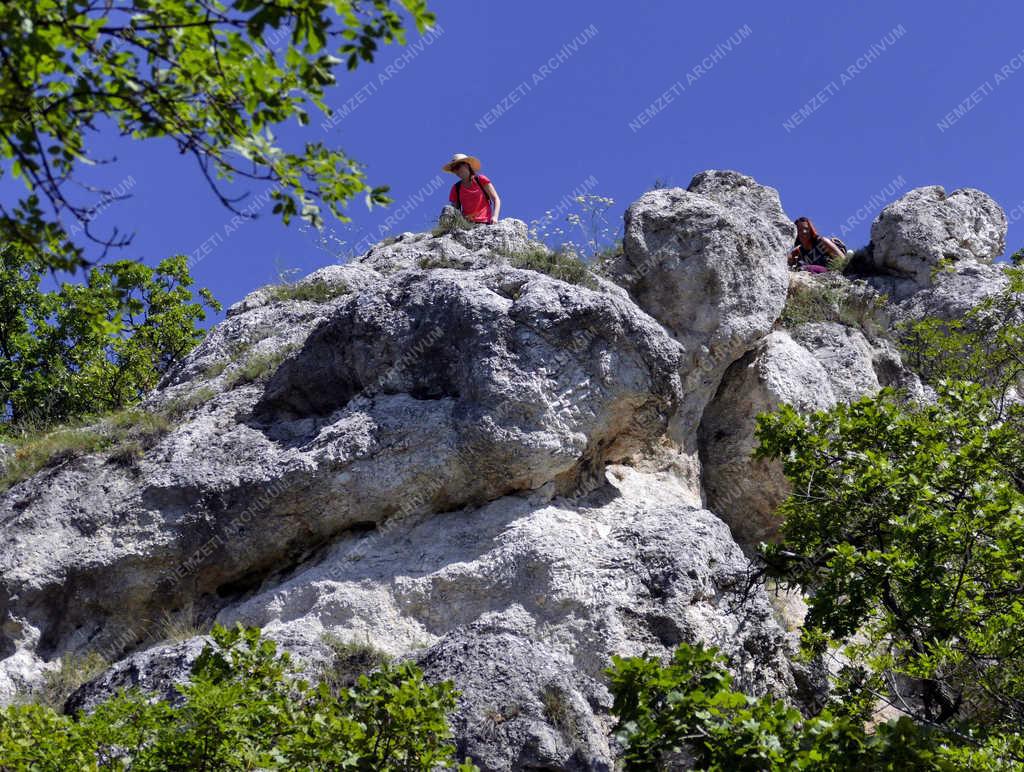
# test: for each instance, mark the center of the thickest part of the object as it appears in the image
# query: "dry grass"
(126, 434)
(313, 291)
(259, 366)
(58, 685)
(563, 266)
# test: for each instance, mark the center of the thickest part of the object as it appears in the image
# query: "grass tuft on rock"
(58, 685)
(558, 265)
(313, 291)
(127, 434)
(832, 297)
(258, 366)
(349, 660)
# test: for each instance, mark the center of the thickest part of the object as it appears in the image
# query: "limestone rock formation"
(476, 465)
(744, 491)
(926, 227)
(709, 263)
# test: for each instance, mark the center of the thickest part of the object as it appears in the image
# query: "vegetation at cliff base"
(244, 709)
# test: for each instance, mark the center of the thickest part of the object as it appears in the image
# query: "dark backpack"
(458, 194)
(840, 244)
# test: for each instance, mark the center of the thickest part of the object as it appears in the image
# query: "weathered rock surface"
(845, 354)
(709, 264)
(953, 293)
(429, 390)
(741, 490)
(914, 234)
(479, 466)
(811, 367)
(521, 603)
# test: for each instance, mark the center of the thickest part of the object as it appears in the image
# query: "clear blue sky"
(872, 110)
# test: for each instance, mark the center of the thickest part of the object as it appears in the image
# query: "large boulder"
(954, 292)
(845, 354)
(813, 366)
(423, 390)
(917, 233)
(709, 263)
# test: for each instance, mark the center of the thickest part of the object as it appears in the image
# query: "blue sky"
(642, 92)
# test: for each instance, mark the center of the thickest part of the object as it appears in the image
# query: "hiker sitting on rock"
(473, 196)
(812, 252)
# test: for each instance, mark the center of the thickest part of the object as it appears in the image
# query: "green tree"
(244, 709)
(92, 347)
(686, 714)
(985, 345)
(906, 530)
(198, 72)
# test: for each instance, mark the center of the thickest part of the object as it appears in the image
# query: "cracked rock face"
(744, 491)
(811, 367)
(521, 603)
(428, 390)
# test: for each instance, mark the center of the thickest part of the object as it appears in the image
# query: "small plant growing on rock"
(349, 660)
(426, 263)
(259, 366)
(125, 433)
(58, 685)
(832, 297)
(452, 222)
(313, 291)
(559, 265)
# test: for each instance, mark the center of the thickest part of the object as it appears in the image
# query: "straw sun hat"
(474, 163)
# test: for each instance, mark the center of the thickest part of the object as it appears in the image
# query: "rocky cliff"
(439, 451)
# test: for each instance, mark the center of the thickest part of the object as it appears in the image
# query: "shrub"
(93, 347)
(687, 715)
(906, 531)
(244, 709)
(559, 265)
(349, 660)
(985, 345)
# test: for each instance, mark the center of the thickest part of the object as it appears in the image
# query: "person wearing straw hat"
(473, 196)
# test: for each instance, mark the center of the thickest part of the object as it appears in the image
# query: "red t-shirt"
(476, 207)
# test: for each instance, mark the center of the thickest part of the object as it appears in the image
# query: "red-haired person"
(812, 251)
(473, 196)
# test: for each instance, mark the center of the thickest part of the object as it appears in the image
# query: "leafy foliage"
(984, 346)
(906, 527)
(203, 74)
(243, 709)
(92, 347)
(686, 714)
